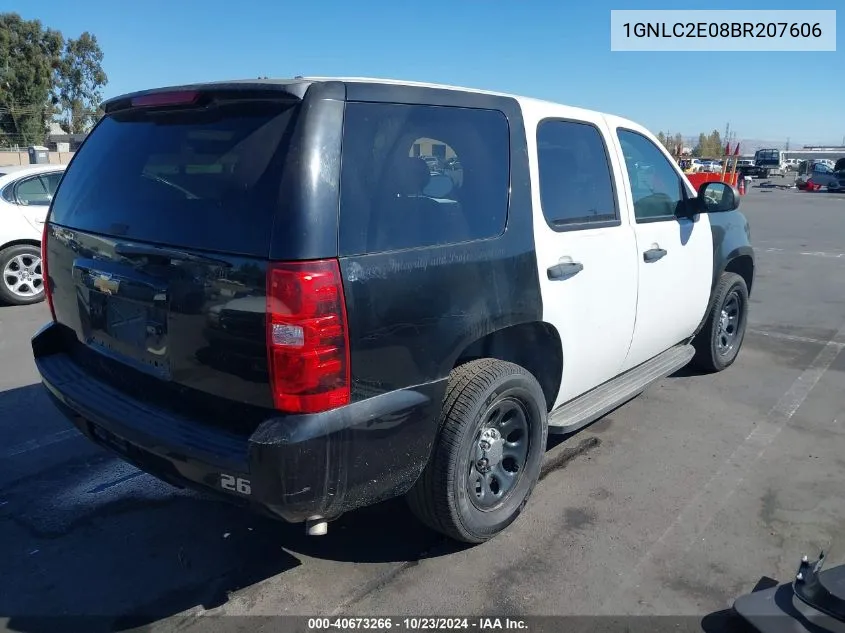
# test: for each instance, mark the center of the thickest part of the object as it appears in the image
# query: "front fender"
(731, 234)
(732, 250)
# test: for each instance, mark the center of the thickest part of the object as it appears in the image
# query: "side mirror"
(717, 197)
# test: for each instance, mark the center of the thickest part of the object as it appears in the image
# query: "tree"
(29, 57)
(709, 145)
(79, 81)
(716, 145)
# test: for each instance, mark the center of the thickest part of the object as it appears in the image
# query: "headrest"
(409, 175)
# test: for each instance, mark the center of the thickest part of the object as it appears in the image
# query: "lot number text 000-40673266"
(723, 30)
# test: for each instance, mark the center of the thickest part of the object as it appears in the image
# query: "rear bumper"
(294, 467)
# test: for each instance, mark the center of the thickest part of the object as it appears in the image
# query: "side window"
(31, 191)
(576, 185)
(415, 176)
(51, 182)
(656, 188)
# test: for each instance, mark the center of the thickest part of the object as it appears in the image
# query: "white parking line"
(797, 339)
(810, 253)
(41, 442)
(697, 515)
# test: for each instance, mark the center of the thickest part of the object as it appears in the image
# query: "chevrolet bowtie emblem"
(106, 284)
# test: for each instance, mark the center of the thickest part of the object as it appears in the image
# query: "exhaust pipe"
(316, 526)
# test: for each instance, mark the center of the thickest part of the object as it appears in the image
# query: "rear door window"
(33, 192)
(51, 181)
(576, 179)
(206, 179)
(416, 176)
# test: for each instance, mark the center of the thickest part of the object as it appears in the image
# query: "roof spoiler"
(188, 94)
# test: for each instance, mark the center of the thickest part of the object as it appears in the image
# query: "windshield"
(206, 179)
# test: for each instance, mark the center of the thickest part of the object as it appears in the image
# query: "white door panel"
(14, 225)
(584, 237)
(674, 255)
(35, 216)
(673, 290)
(593, 310)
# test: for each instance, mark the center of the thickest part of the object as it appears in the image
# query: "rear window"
(415, 176)
(206, 179)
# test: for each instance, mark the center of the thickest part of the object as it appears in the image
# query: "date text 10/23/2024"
(417, 624)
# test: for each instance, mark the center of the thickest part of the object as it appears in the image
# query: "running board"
(578, 413)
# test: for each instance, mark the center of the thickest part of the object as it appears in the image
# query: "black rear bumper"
(293, 467)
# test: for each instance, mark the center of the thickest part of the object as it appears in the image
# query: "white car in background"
(25, 195)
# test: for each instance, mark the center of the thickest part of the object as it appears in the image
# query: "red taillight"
(182, 97)
(45, 277)
(307, 339)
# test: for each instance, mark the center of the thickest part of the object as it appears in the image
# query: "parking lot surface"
(675, 503)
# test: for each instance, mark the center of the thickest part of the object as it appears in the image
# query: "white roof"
(13, 172)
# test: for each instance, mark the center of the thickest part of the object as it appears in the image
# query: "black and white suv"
(259, 288)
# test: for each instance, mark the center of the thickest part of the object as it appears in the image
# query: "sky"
(557, 50)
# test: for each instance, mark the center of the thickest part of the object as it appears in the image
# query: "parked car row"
(814, 175)
(437, 165)
(701, 165)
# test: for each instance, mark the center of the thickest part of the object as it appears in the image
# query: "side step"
(587, 408)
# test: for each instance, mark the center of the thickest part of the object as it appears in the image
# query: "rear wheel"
(487, 456)
(22, 282)
(719, 341)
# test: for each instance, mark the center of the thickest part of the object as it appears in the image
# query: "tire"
(716, 348)
(442, 498)
(21, 282)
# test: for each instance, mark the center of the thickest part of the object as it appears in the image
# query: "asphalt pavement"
(674, 504)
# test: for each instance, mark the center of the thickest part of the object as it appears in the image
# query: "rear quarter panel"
(412, 312)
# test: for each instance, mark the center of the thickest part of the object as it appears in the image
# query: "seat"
(405, 216)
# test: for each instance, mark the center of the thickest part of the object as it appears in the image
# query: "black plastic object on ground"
(813, 603)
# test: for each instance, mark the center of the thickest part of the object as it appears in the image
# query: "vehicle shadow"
(90, 543)
(725, 621)
(193, 553)
(687, 371)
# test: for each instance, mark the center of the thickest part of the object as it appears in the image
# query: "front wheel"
(488, 453)
(719, 341)
(22, 282)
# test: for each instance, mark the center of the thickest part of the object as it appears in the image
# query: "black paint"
(205, 408)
